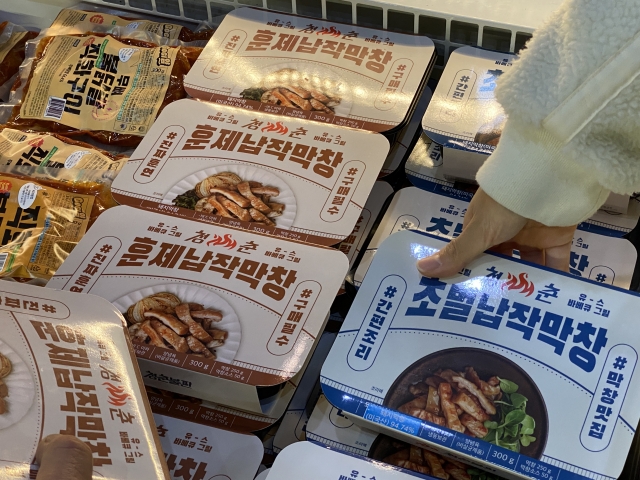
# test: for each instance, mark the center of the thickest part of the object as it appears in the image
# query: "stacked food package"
(244, 205)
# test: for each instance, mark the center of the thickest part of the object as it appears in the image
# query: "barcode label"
(3, 260)
(55, 107)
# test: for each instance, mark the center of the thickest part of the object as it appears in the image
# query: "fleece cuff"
(534, 175)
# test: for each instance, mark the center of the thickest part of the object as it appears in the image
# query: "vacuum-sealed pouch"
(70, 165)
(40, 225)
(107, 88)
(71, 21)
(12, 42)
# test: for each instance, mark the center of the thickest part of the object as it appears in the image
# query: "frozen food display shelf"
(503, 25)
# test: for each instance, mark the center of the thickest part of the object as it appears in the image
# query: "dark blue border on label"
(484, 451)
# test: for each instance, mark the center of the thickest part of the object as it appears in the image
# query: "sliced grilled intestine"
(235, 209)
(260, 217)
(319, 96)
(233, 196)
(154, 337)
(4, 390)
(301, 92)
(169, 320)
(281, 98)
(197, 346)
(208, 314)
(263, 190)
(175, 340)
(296, 99)
(245, 189)
(219, 180)
(218, 336)
(276, 210)
(215, 344)
(183, 313)
(218, 207)
(194, 307)
(317, 105)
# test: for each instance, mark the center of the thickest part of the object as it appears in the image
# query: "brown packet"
(51, 190)
(107, 88)
(40, 225)
(72, 21)
(69, 165)
(12, 47)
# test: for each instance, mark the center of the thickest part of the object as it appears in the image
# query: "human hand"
(64, 457)
(489, 225)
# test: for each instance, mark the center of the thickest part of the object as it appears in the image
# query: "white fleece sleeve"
(573, 106)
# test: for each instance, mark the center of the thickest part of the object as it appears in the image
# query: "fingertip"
(64, 456)
(62, 442)
(429, 266)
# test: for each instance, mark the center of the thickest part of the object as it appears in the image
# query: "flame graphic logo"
(117, 395)
(37, 142)
(278, 128)
(520, 283)
(329, 31)
(226, 242)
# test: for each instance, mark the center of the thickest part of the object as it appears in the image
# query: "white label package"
(214, 312)
(540, 363)
(313, 69)
(291, 178)
(67, 367)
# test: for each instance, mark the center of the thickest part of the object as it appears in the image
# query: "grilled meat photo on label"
(228, 195)
(294, 89)
(490, 409)
(163, 320)
(5, 370)
(416, 459)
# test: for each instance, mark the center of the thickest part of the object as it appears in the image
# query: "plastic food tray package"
(225, 417)
(596, 252)
(293, 426)
(330, 427)
(287, 177)
(464, 116)
(352, 245)
(539, 362)
(405, 139)
(424, 170)
(307, 68)
(80, 21)
(67, 367)
(12, 50)
(199, 411)
(110, 89)
(467, 120)
(313, 462)
(195, 449)
(238, 315)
